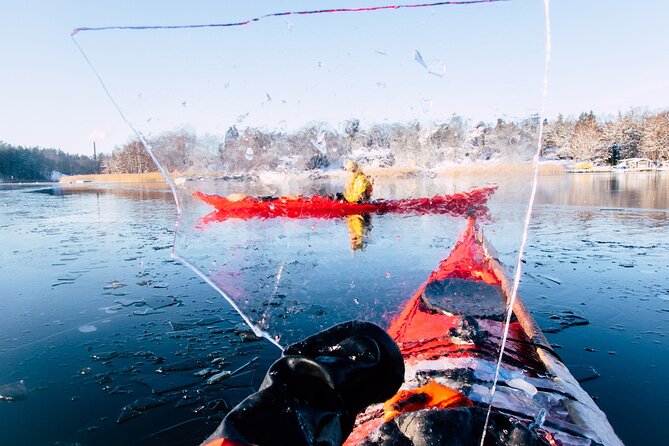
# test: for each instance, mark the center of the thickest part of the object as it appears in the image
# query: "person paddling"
(358, 188)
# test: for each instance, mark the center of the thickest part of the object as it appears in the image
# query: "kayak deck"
(470, 203)
(450, 333)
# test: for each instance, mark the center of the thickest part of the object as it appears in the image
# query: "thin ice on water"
(320, 143)
(264, 318)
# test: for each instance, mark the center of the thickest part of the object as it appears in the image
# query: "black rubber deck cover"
(465, 298)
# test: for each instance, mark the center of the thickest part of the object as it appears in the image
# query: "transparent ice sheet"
(430, 101)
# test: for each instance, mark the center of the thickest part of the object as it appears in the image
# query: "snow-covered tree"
(586, 140)
(654, 142)
(556, 137)
(622, 136)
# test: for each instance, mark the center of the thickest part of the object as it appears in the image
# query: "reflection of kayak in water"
(471, 203)
(449, 334)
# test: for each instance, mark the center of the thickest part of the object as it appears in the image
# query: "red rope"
(287, 13)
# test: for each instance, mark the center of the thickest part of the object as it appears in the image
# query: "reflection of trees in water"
(135, 192)
(626, 190)
(614, 185)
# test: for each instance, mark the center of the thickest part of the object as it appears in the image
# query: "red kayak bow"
(449, 334)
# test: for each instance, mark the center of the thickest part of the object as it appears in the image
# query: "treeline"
(629, 135)
(319, 146)
(19, 163)
(412, 144)
(131, 157)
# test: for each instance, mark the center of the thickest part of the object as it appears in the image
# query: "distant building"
(638, 164)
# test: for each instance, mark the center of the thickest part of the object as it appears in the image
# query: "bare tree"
(132, 157)
(405, 142)
(511, 140)
(448, 139)
(175, 149)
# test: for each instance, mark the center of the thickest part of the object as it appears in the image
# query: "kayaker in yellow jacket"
(358, 188)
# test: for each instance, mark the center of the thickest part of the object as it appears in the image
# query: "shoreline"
(149, 177)
(545, 168)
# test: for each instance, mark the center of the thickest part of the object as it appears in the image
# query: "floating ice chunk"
(563, 320)
(114, 284)
(104, 356)
(206, 372)
(180, 366)
(139, 302)
(146, 312)
(87, 328)
(219, 377)
(111, 309)
(583, 373)
(161, 302)
(521, 384)
(552, 279)
(13, 391)
(138, 407)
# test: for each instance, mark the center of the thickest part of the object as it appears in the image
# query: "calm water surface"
(102, 332)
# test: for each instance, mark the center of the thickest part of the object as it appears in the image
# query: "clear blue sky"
(607, 56)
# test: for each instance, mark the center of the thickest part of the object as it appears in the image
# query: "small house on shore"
(636, 164)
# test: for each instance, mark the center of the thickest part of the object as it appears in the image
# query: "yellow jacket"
(358, 189)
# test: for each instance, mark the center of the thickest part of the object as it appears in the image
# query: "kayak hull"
(470, 203)
(450, 333)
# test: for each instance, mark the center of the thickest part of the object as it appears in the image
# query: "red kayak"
(471, 203)
(449, 334)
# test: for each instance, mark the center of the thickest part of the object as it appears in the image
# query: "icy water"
(106, 340)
